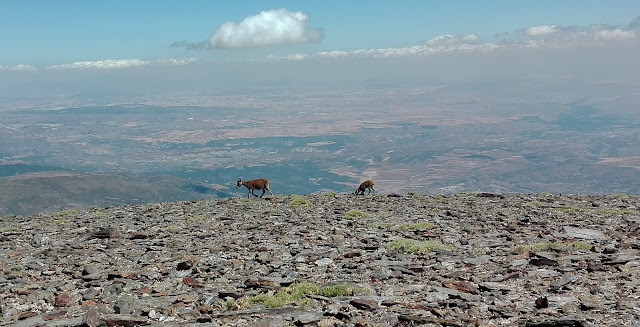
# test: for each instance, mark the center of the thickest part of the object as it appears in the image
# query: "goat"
(368, 184)
(255, 184)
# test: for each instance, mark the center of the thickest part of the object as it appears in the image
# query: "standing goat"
(255, 184)
(368, 184)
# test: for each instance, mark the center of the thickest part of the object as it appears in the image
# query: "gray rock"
(218, 262)
(583, 233)
(477, 260)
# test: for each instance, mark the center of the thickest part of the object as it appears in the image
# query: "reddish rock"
(125, 321)
(54, 315)
(90, 319)
(138, 236)
(191, 282)
(27, 314)
(62, 300)
(364, 304)
(464, 287)
(144, 290)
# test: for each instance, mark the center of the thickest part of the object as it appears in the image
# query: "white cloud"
(614, 35)
(295, 57)
(18, 68)
(284, 27)
(100, 64)
(268, 28)
(541, 30)
(333, 54)
(451, 39)
(290, 57)
(170, 61)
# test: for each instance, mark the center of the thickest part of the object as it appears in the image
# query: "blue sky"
(40, 34)
(124, 51)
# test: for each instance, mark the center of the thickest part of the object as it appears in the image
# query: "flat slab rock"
(467, 259)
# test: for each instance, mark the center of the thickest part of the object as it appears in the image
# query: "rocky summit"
(466, 259)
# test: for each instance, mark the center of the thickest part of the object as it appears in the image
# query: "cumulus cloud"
(570, 36)
(18, 68)
(290, 57)
(541, 30)
(614, 35)
(120, 64)
(100, 64)
(451, 40)
(277, 27)
(184, 61)
(268, 28)
(333, 54)
(534, 37)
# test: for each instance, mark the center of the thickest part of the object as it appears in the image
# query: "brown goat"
(368, 184)
(255, 184)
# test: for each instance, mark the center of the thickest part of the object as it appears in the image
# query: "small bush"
(197, 219)
(337, 290)
(99, 214)
(7, 229)
(297, 292)
(351, 214)
(616, 211)
(299, 200)
(173, 228)
(382, 225)
(417, 247)
(230, 304)
(416, 226)
(538, 204)
(67, 213)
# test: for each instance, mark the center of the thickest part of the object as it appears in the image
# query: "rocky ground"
(470, 259)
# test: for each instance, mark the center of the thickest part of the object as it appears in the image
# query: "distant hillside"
(49, 192)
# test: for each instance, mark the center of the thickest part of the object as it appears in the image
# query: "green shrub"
(99, 214)
(297, 292)
(616, 211)
(7, 229)
(173, 228)
(230, 304)
(383, 225)
(351, 214)
(197, 219)
(67, 213)
(416, 226)
(299, 200)
(545, 246)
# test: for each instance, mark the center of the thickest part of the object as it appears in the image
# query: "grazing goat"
(256, 184)
(368, 184)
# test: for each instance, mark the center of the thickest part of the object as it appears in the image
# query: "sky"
(85, 38)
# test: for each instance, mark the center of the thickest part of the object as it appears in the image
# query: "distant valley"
(408, 140)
